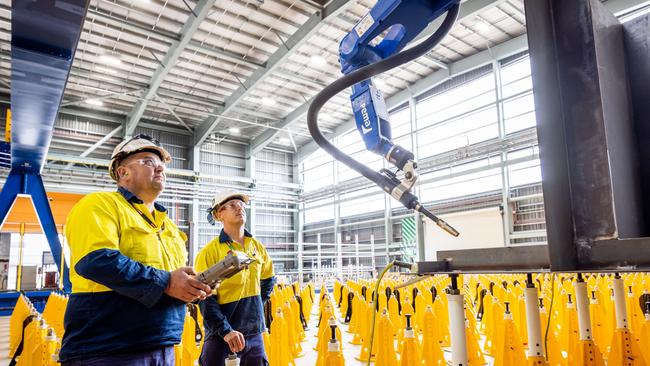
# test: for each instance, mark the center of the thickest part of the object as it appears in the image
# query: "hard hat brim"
(228, 197)
(121, 155)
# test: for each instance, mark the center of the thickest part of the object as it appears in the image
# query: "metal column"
(506, 213)
(585, 128)
(195, 211)
(250, 172)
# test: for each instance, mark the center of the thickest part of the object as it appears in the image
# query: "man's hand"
(185, 287)
(235, 341)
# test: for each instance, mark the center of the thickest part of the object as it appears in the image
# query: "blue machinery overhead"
(399, 21)
(44, 37)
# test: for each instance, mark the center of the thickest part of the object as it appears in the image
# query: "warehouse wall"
(480, 229)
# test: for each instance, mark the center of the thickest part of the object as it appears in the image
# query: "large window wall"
(475, 141)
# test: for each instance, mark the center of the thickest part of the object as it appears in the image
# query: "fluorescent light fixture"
(106, 70)
(109, 60)
(284, 141)
(482, 26)
(234, 130)
(318, 60)
(268, 101)
(96, 102)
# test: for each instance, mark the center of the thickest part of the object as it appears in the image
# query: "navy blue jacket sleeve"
(213, 317)
(123, 275)
(266, 287)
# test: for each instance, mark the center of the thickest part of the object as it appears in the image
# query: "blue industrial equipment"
(37, 298)
(44, 37)
(5, 155)
(399, 21)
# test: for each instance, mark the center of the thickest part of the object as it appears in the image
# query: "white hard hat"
(222, 197)
(139, 143)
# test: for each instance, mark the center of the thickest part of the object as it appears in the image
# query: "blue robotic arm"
(402, 20)
(364, 53)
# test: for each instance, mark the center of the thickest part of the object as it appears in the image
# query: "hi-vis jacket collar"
(225, 238)
(131, 197)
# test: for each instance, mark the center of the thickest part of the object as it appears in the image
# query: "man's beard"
(158, 186)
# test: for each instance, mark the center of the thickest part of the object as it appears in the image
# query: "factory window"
(362, 202)
(318, 171)
(525, 173)
(518, 101)
(463, 185)
(458, 117)
(317, 211)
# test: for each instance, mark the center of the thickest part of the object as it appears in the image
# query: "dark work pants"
(215, 351)
(160, 357)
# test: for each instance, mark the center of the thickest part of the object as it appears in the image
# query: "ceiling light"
(96, 102)
(482, 26)
(268, 101)
(106, 70)
(109, 60)
(234, 130)
(318, 60)
(284, 141)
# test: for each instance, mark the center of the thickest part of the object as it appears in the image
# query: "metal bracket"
(29, 183)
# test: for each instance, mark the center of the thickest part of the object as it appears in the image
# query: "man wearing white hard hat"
(234, 317)
(129, 280)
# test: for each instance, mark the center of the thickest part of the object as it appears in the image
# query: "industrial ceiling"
(242, 69)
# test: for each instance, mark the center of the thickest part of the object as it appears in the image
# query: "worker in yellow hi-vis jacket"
(129, 283)
(234, 318)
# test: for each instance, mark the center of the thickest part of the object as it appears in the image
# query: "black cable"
(548, 320)
(364, 73)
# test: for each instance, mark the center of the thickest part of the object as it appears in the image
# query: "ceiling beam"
(120, 120)
(97, 144)
(468, 10)
(197, 16)
(480, 59)
(113, 118)
(266, 137)
(171, 38)
(92, 115)
(294, 42)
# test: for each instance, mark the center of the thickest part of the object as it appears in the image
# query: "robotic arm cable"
(358, 72)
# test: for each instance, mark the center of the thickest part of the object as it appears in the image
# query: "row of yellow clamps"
(39, 333)
(287, 330)
(42, 336)
(491, 331)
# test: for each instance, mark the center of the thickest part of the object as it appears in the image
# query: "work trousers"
(215, 351)
(160, 357)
